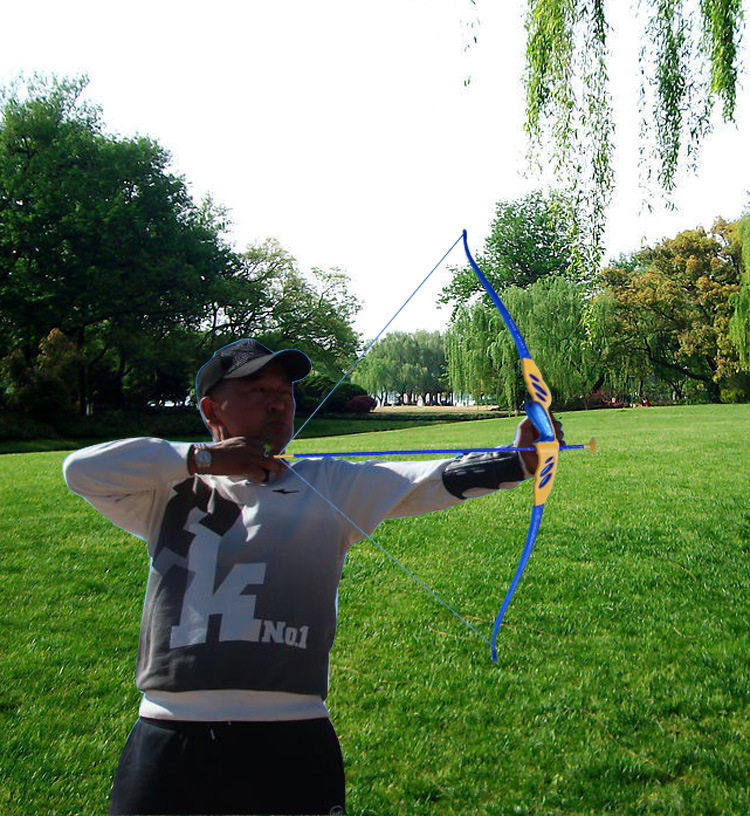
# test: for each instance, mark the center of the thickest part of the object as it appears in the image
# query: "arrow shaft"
(413, 452)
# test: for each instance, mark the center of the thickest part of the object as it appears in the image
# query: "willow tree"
(739, 325)
(551, 315)
(689, 61)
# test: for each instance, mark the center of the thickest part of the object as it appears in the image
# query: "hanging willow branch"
(568, 107)
(689, 59)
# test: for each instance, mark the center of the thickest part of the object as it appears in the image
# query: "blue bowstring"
(364, 353)
(393, 558)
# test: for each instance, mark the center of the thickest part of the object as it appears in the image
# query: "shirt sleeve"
(128, 480)
(370, 492)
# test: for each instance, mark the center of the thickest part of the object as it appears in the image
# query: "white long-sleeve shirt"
(241, 603)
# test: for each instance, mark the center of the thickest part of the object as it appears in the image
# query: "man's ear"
(208, 410)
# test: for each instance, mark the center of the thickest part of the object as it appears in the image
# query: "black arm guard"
(482, 470)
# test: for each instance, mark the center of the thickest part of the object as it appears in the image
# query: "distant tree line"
(114, 284)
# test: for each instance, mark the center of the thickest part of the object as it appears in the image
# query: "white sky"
(344, 128)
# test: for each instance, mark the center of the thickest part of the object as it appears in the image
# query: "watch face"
(203, 459)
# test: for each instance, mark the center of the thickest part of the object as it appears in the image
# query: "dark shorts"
(238, 768)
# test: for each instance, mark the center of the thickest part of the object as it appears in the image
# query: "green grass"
(623, 678)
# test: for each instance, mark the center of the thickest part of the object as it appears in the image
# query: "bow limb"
(547, 447)
(536, 520)
(543, 479)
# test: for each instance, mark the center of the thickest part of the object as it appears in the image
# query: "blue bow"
(547, 446)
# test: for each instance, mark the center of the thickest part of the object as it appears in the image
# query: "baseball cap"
(245, 357)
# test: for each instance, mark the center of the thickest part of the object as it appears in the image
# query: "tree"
(410, 364)
(552, 317)
(100, 242)
(266, 296)
(530, 239)
(689, 61)
(739, 326)
(672, 310)
(97, 238)
(480, 364)
(47, 388)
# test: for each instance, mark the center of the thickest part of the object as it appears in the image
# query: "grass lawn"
(623, 676)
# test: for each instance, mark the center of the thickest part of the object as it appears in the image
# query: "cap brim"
(296, 364)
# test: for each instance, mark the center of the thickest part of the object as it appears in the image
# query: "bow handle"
(547, 446)
(547, 449)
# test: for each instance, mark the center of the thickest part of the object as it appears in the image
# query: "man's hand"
(526, 435)
(240, 456)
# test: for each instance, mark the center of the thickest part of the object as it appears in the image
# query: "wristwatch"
(202, 458)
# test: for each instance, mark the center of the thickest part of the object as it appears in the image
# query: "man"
(240, 609)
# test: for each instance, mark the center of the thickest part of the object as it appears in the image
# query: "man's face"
(260, 407)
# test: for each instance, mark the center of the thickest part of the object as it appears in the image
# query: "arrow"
(589, 446)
